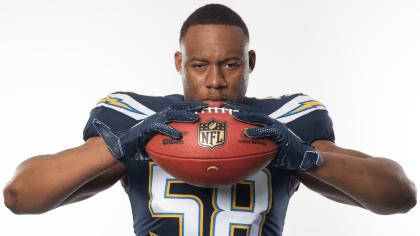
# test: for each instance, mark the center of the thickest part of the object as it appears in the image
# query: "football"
(213, 152)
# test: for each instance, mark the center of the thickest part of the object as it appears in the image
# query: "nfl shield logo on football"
(212, 134)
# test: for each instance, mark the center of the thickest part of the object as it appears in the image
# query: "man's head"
(214, 60)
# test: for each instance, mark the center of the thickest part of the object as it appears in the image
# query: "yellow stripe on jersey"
(118, 103)
(303, 107)
(115, 102)
(306, 105)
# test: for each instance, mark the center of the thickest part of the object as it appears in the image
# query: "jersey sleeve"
(115, 120)
(313, 127)
(306, 117)
(119, 111)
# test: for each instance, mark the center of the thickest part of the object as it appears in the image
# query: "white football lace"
(217, 109)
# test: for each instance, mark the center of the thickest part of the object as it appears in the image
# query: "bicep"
(99, 183)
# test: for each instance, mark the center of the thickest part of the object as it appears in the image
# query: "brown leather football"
(213, 152)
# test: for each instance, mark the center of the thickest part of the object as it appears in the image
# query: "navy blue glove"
(132, 143)
(294, 154)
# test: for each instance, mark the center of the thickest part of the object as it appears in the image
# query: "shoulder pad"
(121, 110)
(306, 117)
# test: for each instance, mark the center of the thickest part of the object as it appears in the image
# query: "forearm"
(378, 184)
(41, 183)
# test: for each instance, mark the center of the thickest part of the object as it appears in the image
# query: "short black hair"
(213, 14)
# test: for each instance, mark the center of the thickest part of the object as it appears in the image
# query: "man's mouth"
(215, 101)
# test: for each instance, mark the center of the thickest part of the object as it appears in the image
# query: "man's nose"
(215, 78)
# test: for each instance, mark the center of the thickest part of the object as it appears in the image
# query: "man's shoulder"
(305, 116)
(121, 110)
(131, 97)
(271, 101)
(286, 106)
(129, 100)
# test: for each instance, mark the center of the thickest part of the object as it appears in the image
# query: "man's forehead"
(215, 41)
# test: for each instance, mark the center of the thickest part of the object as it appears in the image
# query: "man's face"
(215, 64)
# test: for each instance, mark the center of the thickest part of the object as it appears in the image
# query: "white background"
(58, 58)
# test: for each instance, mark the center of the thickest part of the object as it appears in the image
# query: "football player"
(215, 64)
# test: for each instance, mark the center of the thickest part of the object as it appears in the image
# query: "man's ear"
(178, 61)
(252, 60)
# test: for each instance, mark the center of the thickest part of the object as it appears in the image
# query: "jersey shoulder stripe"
(125, 104)
(121, 110)
(295, 108)
(306, 117)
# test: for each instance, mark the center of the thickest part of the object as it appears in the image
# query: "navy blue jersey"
(163, 205)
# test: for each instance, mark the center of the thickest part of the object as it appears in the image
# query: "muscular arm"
(43, 183)
(351, 177)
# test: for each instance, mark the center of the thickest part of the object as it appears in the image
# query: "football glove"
(293, 153)
(132, 143)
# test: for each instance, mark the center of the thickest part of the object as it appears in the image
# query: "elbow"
(402, 201)
(13, 201)
(409, 199)
(10, 199)
(411, 204)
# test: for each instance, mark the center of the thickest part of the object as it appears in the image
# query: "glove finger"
(252, 118)
(178, 115)
(165, 129)
(111, 140)
(262, 132)
(241, 107)
(188, 106)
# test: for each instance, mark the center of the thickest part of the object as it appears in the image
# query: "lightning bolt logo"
(118, 103)
(303, 107)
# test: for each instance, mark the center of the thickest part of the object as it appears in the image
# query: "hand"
(294, 154)
(132, 143)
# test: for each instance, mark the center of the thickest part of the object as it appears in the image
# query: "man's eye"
(232, 65)
(198, 66)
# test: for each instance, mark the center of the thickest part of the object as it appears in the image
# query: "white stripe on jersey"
(131, 102)
(292, 108)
